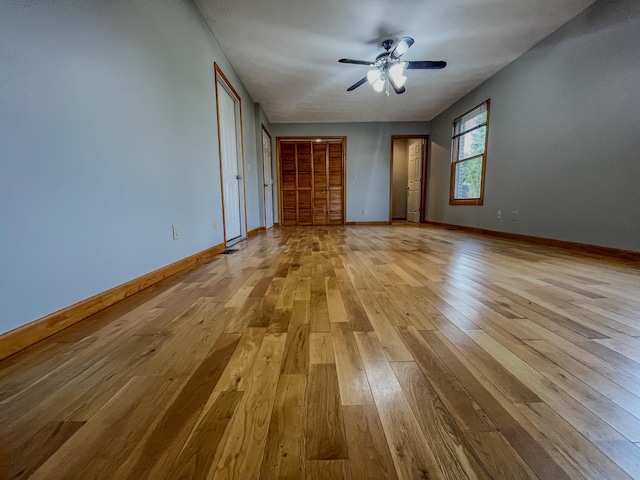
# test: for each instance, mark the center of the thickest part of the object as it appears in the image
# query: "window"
(469, 156)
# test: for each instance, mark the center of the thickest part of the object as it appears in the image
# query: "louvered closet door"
(311, 176)
(335, 188)
(303, 153)
(320, 185)
(288, 183)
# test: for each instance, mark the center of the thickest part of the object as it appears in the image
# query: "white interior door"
(415, 182)
(231, 178)
(268, 179)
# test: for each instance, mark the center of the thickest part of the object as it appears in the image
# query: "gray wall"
(108, 136)
(400, 178)
(368, 169)
(564, 136)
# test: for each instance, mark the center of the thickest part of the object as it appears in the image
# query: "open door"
(407, 199)
(268, 178)
(414, 190)
(231, 161)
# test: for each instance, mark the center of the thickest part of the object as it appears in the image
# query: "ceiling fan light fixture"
(396, 72)
(397, 69)
(399, 80)
(387, 70)
(373, 75)
(402, 47)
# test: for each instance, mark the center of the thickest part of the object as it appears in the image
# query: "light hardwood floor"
(343, 352)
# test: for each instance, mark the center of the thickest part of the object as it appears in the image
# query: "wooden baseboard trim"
(628, 255)
(255, 231)
(26, 335)
(369, 223)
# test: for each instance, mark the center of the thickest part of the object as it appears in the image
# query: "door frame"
(425, 165)
(343, 140)
(221, 78)
(264, 129)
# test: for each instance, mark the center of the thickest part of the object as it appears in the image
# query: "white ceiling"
(286, 51)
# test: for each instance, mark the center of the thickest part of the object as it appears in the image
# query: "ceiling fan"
(387, 69)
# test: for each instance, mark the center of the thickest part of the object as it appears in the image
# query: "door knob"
(238, 177)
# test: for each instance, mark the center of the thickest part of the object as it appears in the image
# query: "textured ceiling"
(286, 51)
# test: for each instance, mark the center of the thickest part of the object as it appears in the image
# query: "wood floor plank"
(296, 356)
(586, 457)
(387, 335)
(499, 458)
(368, 451)
(321, 348)
(285, 449)
(459, 402)
(538, 459)
(354, 386)
(197, 457)
(546, 385)
(238, 369)
(98, 448)
(328, 470)
(336, 309)
(411, 453)
(36, 449)
(356, 314)
(319, 311)
(450, 446)
(325, 427)
(162, 447)
(242, 454)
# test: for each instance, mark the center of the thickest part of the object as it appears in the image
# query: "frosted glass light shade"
(373, 75)
(396, 72)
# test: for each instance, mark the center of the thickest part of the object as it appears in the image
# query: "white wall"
(564, 136)
(108, 136)
(368, 168)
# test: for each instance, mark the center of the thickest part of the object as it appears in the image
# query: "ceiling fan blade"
(357, 84)
(355, 62)
(426, 64)
(397, 89)
(401, 47)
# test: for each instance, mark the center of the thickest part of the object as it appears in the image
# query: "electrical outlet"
(176, 235)
(514, 216)
(363, 211)
(215, 224)
(499, 214)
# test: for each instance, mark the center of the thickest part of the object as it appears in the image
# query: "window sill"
(466, 201)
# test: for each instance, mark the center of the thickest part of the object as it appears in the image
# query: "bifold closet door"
(305, 194)
(320, 184)
(288, 183)
(311, 176)
(335, 190)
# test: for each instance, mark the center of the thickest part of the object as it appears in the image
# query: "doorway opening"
(409, 168)
(231, 150)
